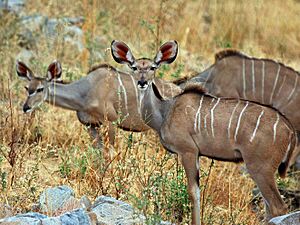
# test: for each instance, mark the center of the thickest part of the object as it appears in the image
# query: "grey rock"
(35, 28)
(85, 203)
(26, 56)
(14, 6)
(25, 219)
(76, 217)
(52, 199)
(5, 210)
(112, 211)
(288, 219)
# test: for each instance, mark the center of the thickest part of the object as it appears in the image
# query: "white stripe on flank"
(212, 117)
(292, 92)
(136, 94)
(287, 151)
(275, 83)
(197, 122)
(263, 82)
(205, 123)
(229, 125)
(275, 127)
(124, 91)
(239, 121)
(279, 90)
(256, 127)
(244, 80)
(253, 78)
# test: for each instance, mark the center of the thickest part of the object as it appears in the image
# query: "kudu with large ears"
(145, 68)
(194, 124)
(104, 96)
(37, 88)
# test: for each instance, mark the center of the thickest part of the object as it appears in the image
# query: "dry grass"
(50, 147)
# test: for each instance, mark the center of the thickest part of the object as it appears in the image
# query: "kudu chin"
(194, 124)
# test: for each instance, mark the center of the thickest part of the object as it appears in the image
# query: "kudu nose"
(26, 108)
(142, 83)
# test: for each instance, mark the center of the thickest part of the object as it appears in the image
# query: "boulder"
(14, 6)
(75, 217)
(111, 211)
(288, 219)
(53, 199)
(31, 218)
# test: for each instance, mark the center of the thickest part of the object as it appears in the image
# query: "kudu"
(105, 95)
(195, 124)
(265, 81)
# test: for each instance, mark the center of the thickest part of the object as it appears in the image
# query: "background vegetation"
(50, 147)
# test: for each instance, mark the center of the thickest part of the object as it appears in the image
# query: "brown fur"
(195, 87)
(96, 67)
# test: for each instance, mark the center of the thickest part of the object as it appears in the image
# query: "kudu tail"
(284, 165)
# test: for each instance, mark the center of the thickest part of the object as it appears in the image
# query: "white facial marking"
(256, 127)
(275, 83)
(212, 117)
(239, 121)
(230, 119)
(275, 127)
(32, 94)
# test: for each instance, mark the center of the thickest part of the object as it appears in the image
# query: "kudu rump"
(194, 124)
(105, 95)
(261, 80)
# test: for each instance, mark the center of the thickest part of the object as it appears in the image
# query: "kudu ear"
(23, 71)
(167, 53)
(54, 71)
(121, 53)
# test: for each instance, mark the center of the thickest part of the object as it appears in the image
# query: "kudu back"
(194, 124)
(265, 81)
(104, 96)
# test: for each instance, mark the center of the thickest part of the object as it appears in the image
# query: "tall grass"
(50, 147)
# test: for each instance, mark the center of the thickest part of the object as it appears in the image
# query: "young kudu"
(105, 95)
(261, 80)
(194, 124)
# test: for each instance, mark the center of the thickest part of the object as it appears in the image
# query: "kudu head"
(37, 87)
(143, 68)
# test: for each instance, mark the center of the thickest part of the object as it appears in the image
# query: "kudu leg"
(190, 163)
(264, 178)
(296, 152)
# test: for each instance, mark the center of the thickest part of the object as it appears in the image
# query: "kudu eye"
(134, 68)
(153, 68)
(39, 90)
(26, 88)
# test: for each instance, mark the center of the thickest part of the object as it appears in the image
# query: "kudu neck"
(154, 109)
(68, 96)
